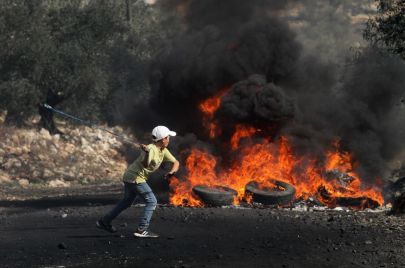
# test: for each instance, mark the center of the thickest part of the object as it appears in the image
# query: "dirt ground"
(59, 231)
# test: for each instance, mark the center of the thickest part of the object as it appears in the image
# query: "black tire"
(271, 197)
(215, 195)
(357, 202)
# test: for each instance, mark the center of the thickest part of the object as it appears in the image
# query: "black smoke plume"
(278, 84)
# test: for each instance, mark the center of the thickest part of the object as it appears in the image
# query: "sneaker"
(108, 227)
(144, 233)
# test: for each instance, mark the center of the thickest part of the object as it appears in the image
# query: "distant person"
(135, 184)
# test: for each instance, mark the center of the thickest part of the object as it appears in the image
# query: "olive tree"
(56, 55)
(387, 29)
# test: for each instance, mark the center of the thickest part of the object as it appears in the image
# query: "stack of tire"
(224, 196)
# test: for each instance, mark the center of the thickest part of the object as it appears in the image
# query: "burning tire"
(269, 196)
(360, 202)
(215, 195)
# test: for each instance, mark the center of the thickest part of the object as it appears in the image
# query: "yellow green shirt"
(137, 173)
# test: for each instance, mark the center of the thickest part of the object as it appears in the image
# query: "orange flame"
(241, 132)
(261, 162)
(326, 180)
(208, 108)
(200, 166)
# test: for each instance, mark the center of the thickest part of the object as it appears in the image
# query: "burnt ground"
(59, 231)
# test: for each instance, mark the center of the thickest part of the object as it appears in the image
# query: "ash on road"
(58, 234)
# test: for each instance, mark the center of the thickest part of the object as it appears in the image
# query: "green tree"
(24, 39)
(75, 73)
(387, 29)
(60, 56)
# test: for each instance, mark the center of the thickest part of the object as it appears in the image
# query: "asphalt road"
(61, 233)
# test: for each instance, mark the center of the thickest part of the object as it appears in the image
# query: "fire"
(200, 166)
(208, 108)
(241, 132)
(266, 160)
(326, 180)
(182, 193)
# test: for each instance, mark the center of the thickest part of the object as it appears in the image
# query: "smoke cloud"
(284, 77)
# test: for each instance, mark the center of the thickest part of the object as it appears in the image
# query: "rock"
(91, 178)
(4, 177)
(25, 149)
(48, 173)
(3, 115)
(23, 182)
(70, 148)
(56, 138)
(86, 149)
(45, 134)
(15, 139)
(42, 143)
(12, 162)
(68, 176)
(28, 137)
(16, 150)
(35, 174)
(61, 246)
(38, 155)
(84, 142)
(53, 150)
(35, 148)
(58, 183)
(103, 146)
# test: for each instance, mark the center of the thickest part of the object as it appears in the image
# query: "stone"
(3, 115)
(15, 139)
(36, 174)
(15, 150)
(23, 182)
(84, 142)
(45, 134)
(48, 173)
(4, 177)
(56, 138)
(87, 149)
(58, 183)
(12, 162)
(25, 149)
(28, 137)
(70, 148)
(68, 176)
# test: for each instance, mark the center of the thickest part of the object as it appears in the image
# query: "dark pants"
(131, 191)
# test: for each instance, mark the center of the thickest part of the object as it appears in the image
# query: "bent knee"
(151, 201)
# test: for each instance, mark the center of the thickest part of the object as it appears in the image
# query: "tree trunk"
(47, 121)
(128, 10)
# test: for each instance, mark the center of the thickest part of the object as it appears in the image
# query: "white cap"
(161, 132)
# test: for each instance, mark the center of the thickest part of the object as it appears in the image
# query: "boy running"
(135, 178)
